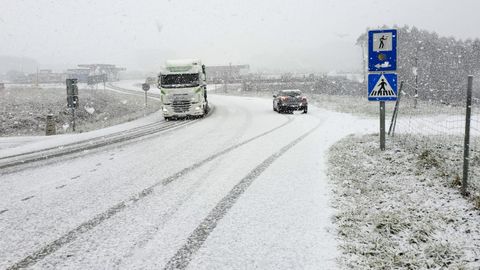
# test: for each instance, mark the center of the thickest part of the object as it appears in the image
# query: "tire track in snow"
(97, 142)
(186, 194)
(24, 159)
(72, 235)
(184, 255)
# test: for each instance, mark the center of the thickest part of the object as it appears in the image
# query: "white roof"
(182, 66)
(182, 62)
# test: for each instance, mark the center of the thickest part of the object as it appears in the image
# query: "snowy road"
(244, 188)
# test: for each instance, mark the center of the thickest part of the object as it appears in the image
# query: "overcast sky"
(309, 35)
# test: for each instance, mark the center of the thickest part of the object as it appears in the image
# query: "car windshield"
(240, 134)
(291, 93)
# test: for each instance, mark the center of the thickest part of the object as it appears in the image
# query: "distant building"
(91, 70)
(81, 74)
(111, 71)
(2, 86)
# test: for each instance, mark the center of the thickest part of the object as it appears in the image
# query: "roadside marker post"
(50, 128)
(72, 98)
(382, 58)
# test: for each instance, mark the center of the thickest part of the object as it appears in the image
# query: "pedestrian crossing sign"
(382, 87)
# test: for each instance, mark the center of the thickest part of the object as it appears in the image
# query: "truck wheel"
(167, 118)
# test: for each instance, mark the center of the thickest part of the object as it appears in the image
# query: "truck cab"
(183, 89)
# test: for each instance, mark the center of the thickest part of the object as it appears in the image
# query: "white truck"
(183, 89)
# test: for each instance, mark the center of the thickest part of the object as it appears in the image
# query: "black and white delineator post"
(382, 58)
(72, 98)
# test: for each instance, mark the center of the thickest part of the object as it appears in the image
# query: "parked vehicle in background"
(290, 100)
(183, 89)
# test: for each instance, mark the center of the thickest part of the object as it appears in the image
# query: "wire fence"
(436, 127)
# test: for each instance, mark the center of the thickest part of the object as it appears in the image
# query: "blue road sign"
(382, 50)
(382, 87)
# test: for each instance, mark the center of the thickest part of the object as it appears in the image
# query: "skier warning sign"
(382, 50)
(382, 87)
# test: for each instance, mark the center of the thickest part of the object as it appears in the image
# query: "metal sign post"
(393, 123)
(145, 88)
(382, 125)
(73, 119)
(466, 147)
(382, 56)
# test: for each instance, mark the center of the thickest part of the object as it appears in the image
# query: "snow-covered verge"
(24, 110)
(401, 208)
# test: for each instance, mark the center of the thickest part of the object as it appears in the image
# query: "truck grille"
(181, 106)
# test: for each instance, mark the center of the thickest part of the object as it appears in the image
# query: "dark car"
(289, 101)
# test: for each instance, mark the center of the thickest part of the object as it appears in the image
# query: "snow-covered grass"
(24, 109)
(402, 208)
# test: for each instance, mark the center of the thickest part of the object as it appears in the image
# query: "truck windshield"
(179, 80)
